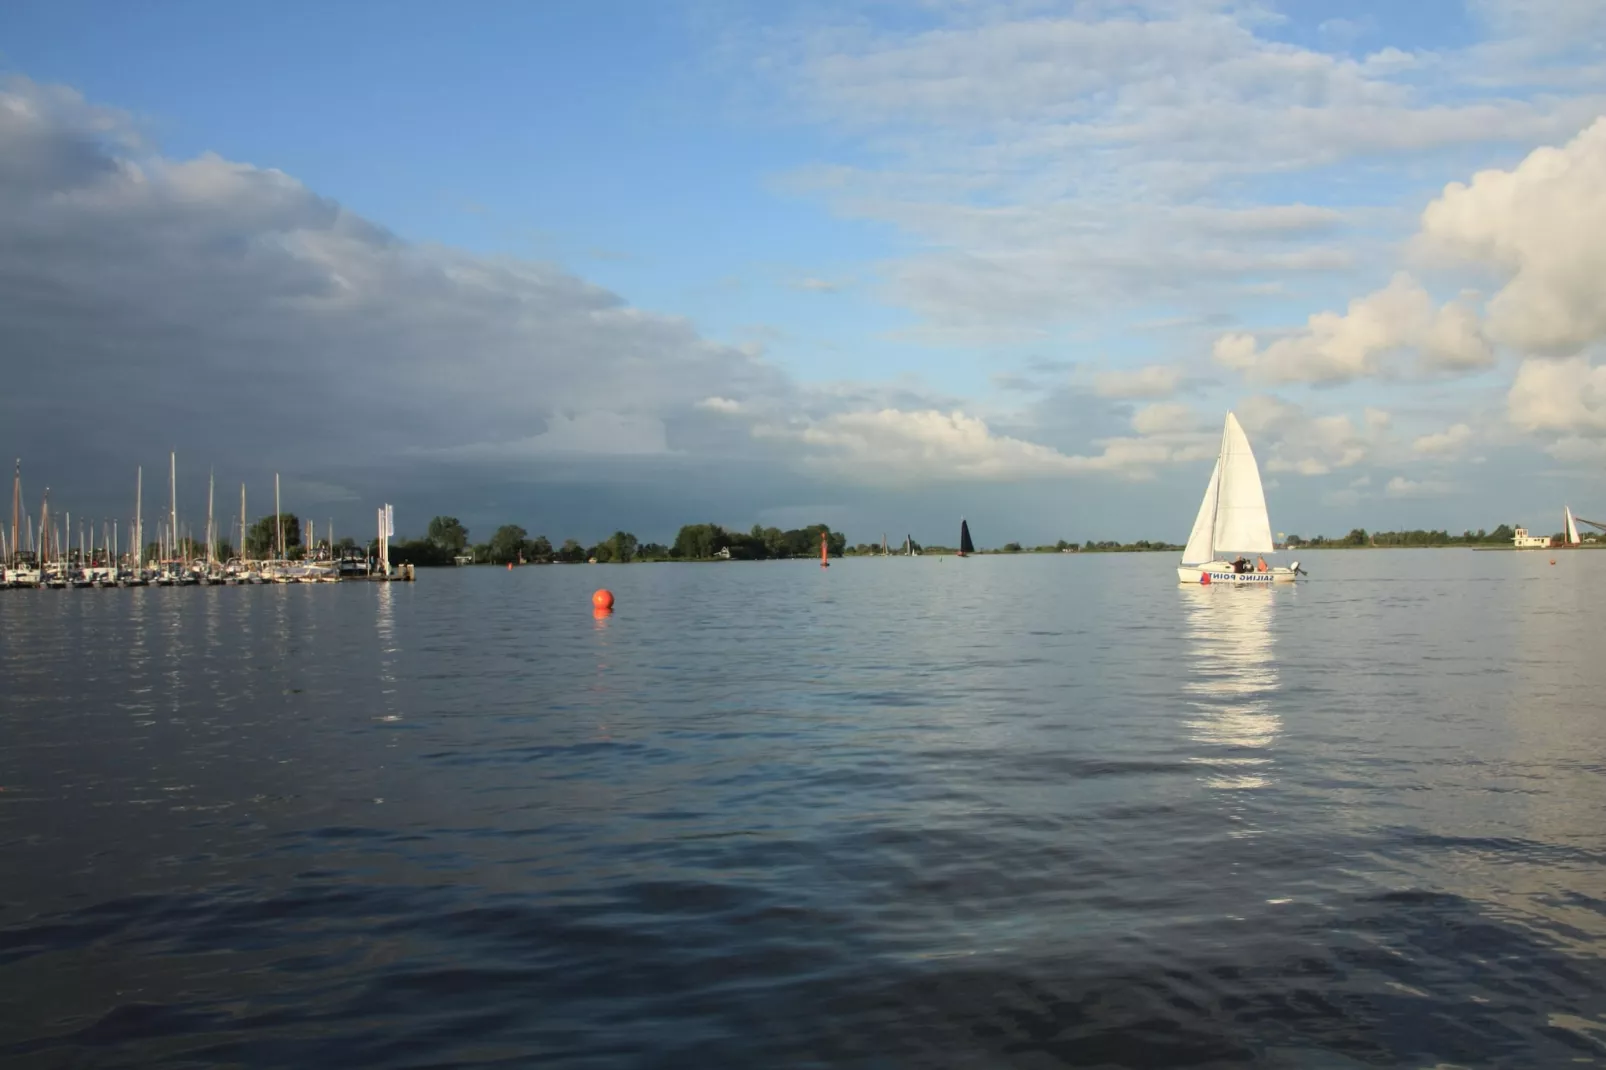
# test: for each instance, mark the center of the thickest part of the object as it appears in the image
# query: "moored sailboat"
(1232, 519)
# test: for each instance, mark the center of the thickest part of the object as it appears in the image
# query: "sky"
(586, 267)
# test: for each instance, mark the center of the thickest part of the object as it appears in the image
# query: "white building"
(1525, 541)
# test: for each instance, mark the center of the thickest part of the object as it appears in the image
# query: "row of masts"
(47, 542)
(908, 546)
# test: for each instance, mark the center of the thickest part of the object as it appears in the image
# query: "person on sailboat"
(1260, 564)
(1241, 565)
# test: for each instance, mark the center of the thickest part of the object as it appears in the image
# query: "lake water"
(1023, 812)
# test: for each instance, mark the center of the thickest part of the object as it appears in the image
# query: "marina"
(44, 556)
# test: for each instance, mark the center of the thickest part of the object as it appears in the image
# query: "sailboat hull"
(1221, 572)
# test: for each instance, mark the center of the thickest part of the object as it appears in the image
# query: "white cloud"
(1400, 487)
(1046, 159)
(1541, 225)
(1446, 443)
(1165, 418)
(817, 285)
(895, 445)
(1287, 438)
(719, 404)
(1566, 396)
(1149, 381)
(1335, 348)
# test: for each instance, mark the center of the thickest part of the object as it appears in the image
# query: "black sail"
(965, 545)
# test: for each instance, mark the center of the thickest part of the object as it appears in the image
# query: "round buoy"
(1552, 560)
(603, 599)
(510, 566)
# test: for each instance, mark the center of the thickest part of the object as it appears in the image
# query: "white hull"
(1221, 572)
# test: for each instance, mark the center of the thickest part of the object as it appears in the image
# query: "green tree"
(262, 541)
(572, 552)
(1356, 537)
(620, 546)
(1012, 548)
(538, 549)
(506, 543)
(448, 533)
(700, 541)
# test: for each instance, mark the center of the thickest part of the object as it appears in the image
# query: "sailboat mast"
(16, 507)
(139, 516)
(278, 520)
(172, 499)
(211, 536)
(242, 522)
(1215, 506)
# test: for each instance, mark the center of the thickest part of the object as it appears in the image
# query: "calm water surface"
(1045, 811)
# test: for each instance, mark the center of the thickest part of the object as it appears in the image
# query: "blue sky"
(1014, 252)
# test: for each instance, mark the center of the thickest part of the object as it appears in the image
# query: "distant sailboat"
(1569, 527)
(1232, 519)
(908, 546)
(965, 545)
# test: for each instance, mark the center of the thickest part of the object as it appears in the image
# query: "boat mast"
(139, 516)
(241, 554)
(1221, 468)
(211, 485)
(278, 520)
(16, 507)
(172, 499)
(44, 530)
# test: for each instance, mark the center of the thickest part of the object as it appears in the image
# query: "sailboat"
(1569, 527)
(965, 545)
(1232, 520)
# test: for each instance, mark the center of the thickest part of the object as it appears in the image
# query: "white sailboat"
(1232, 520)
(1570, 527)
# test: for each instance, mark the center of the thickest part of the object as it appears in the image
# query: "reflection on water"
(1233, 681)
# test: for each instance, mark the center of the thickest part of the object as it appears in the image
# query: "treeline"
(447, 541)
(1501, 535)
(1062, 546)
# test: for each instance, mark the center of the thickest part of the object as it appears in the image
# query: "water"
(1032, 812)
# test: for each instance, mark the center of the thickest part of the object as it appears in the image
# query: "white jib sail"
(1572, 527)
(1232, 516)
(1199, 549)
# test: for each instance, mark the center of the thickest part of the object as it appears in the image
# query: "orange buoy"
(603, 599)
(510, 566)
(1552, 560)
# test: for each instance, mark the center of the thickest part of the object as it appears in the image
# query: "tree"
(621, 546)
(538, 549)
(506, 543)
(700, 541)
(448, 533)
(262, 541)
(572, 552)
(1356, 537)
(1012, 548)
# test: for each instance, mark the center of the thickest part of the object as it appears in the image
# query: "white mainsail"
(1232, 516)
(1571, 526)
